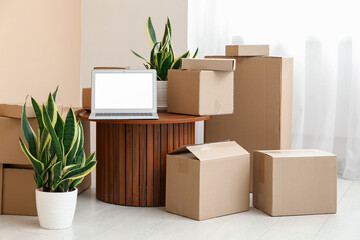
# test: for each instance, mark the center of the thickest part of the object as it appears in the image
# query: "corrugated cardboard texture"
(15, 110)
(262, 106)
(196, 92)
(193, 191)
(295, 182)
(208, 64)
(247, 50)
(19, 192)
(86, 99)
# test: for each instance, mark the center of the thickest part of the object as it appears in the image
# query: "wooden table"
(131, 156)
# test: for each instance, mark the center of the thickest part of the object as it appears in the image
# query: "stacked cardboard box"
(202, 87)
(262, 105)
(17, 191)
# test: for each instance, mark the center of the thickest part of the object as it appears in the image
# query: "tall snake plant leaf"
(170, 29)
(59, 149)
(51, 109)
(196, 52)
(165, 66)
(37, 165)
(55, 175)
(38, 181)
(59, 127)
(176, 63)
(150, 32)
(153, 55)
(138, 55)
(70, 156)
(159, 59)
(90, 159)
(78, 173)
(55, 93)
(75, 182)
(28, 133)
(38, 113)
(70, 131)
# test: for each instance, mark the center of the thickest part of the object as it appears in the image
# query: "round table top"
(164, 118)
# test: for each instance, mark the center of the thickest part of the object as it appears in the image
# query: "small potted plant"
(58, 158)
(162, 58)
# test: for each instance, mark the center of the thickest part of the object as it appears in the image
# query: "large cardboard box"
(17, 190)
(208, 64)
(262, 106)
(208, 180)
(197, 92)
(247, 50)
(294, 182)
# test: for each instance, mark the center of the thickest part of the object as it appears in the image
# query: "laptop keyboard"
(123, 114)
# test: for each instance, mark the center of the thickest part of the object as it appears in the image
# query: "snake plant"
(162, 56)
(57, 151)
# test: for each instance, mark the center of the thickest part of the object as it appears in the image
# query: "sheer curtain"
(324, 39)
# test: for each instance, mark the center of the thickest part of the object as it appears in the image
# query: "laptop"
(123, 94)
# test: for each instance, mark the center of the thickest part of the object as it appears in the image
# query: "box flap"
(297, 153)
(208, 64)
(14, 110)
(211, 151)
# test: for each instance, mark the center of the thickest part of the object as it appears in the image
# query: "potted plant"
(162, 58)
(58, 158)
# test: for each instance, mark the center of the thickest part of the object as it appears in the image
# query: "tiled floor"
(97, 220)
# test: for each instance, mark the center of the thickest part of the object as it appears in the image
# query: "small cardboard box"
(247, 50)
(86, 99)
(294, 182)
(197, 92)
(208, 64)
(17, 196)
(208, 180)
(262, 106)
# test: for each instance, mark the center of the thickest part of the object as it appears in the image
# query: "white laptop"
(123, 94)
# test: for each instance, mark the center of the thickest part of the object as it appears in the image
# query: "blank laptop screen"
(124, 90)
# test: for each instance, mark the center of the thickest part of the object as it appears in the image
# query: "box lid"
(296, 153)
(211, 151)
(208, 64)
(14, 110)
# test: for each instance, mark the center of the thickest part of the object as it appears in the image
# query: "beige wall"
(110, 28)
(40, 49)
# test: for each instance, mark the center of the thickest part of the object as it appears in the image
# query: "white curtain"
(324, 39)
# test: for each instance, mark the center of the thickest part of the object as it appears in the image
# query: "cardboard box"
(17, 190)
(208, 64)
(196, 92)
(208, 180)
(247, 50)
(86, 99)
(10, 128)
(295, 182)
(262, 116)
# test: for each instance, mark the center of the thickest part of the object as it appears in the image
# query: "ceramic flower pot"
(162, 87)
(56, 209)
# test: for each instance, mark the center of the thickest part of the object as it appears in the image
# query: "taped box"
(295, 182)
(207, 180)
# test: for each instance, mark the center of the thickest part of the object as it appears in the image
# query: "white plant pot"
(162, 87)
(56, 209)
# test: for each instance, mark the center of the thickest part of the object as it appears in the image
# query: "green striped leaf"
(90, 159)
(59, 127)
(196, 52)
(55, 175)
(28, 133)
(54, 139)
(51, 109)
(55, 92)
(169, 27)
(176, 63)
(70, 131)
(75, 182)
(37, 165)
(38, 113)
(80, 172)
(150, 32)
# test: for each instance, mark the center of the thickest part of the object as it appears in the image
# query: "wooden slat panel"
(142, 165)
(111, 162)
(176, 135)
(157, 165)
(122, 164)
(150, 165)
(164, 151)
(128, 156)
(106, 162)
(181, 134)
(170, 137)
(185, 135)
(193, 133)
(190, 133)
(116, 169)
(136, 165)
(99, 158)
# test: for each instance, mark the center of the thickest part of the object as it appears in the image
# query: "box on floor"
(208, 180)
(295, 182)
(202, 92)
(262, 106)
